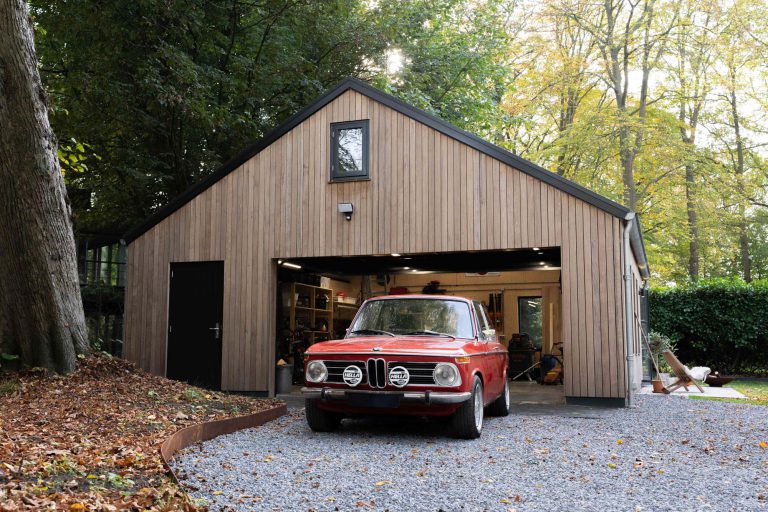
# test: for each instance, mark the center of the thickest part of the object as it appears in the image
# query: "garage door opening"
(318, 298)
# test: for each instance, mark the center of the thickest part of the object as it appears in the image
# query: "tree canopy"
(658, 104)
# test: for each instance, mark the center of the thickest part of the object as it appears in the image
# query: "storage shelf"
(309, 314)
(304, 308)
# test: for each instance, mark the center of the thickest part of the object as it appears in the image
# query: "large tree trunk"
(693, 222)
(39, 297)
(746, 258)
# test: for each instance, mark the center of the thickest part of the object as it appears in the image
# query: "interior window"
(349, 155)
(530, 320)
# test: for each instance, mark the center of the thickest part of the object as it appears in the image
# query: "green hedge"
(720, 323)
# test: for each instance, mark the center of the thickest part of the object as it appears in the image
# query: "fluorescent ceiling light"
(535, 248)
(291, 265)
(395, 255)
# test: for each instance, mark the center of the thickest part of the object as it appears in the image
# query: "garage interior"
(318, 298)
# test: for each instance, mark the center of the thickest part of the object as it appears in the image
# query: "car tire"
(500, 406)
(320, 420)
(468, 419)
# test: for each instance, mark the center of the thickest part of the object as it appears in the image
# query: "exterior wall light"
(347, 209)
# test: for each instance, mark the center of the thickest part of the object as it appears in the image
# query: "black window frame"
(350, 125)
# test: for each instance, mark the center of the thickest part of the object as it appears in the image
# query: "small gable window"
(349, 151)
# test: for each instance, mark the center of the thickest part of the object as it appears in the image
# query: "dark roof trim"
(414, 113)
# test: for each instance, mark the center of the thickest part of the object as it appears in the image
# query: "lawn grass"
(756, 392)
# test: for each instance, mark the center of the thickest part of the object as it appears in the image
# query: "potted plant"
(657, 344)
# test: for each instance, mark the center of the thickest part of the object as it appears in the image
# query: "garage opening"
(318, 298)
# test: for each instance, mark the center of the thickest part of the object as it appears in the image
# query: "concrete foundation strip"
(210, 429)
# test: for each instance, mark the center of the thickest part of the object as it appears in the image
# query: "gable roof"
(481, 145)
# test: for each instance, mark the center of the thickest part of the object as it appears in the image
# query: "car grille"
(336, 370)
(377, 373)
(421, 373)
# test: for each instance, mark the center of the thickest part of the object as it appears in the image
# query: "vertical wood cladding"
(427, 193)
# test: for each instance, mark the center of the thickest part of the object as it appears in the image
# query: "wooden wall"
(427, 193)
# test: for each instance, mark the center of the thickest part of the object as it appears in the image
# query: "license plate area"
(386, 401)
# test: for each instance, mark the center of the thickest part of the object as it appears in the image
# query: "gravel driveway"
(668, 454)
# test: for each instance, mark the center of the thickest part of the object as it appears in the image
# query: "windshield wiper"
(430, 333)
(372, 331)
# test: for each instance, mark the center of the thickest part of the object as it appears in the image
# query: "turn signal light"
(462, 359)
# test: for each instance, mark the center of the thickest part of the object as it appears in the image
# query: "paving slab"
(709, 391)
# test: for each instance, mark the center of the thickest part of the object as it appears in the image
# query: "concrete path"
(723, 392)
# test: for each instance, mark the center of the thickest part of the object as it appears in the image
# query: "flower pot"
(658, 385)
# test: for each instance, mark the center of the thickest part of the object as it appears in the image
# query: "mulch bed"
(89, 440)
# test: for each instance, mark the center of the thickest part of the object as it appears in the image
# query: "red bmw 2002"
(422, 355)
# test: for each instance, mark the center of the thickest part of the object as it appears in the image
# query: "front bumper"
(408, 397)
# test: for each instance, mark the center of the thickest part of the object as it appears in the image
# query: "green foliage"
(658, 344)
(119, 481)
(149, 97)
(720, 323)
(8, 386)
(191, 395)
(456, 62)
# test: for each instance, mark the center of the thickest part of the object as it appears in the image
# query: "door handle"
(217, 329)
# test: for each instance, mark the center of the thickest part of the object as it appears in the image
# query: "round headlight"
(316, 371)
(446, 374)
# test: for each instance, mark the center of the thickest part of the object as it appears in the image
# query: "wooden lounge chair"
(685, 376)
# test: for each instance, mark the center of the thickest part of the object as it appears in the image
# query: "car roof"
(421, 296)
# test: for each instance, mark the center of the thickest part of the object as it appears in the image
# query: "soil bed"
(89, 440)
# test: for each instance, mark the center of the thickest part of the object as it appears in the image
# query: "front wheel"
(320, 420)
(468, 419)
(500, 406)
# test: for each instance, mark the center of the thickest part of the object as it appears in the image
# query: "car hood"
(411, 345)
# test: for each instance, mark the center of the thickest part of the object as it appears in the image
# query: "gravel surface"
(667, 454)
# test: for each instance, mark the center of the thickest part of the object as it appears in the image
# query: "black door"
(195, 312)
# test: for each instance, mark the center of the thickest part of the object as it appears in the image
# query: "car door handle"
(217, 329)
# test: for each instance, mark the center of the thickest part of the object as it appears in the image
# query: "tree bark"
(40, 301)
(693, 222)
(746, 258)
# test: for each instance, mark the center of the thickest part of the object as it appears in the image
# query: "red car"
(422, 355)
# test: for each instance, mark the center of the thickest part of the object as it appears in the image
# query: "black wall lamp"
(347, 209)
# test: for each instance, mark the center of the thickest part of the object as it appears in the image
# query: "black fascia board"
(496, 152)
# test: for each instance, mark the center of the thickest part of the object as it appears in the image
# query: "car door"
(487, 339)
(497, 354)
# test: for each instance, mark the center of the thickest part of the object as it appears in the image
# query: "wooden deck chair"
(685, 376)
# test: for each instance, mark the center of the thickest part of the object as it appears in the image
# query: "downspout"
(628, 310)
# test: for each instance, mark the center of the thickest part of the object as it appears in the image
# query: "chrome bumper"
(409, 397)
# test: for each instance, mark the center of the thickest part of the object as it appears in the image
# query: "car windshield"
(428, 317)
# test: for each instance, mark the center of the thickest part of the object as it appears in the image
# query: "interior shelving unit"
(310, 312)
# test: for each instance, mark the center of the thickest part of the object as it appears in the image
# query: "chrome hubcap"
(479, 407)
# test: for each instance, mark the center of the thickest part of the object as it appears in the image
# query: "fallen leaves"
(89, 441)
(763, 445)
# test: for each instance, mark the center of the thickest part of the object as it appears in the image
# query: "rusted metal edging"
(210, 429)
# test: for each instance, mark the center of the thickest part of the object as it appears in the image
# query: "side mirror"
(489, 334)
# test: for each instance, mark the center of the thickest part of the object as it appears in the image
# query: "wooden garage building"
(416, 185)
